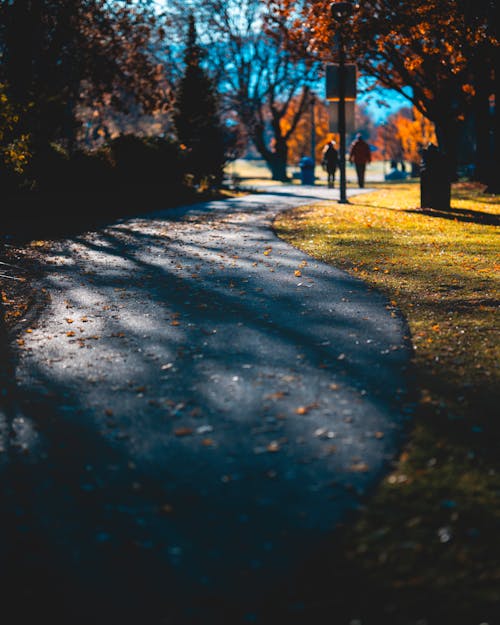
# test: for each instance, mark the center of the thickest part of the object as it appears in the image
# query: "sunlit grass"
(255, 173)
(432, 526)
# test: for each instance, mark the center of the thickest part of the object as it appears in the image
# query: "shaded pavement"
(198, 406)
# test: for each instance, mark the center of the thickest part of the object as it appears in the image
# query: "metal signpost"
(341, 87)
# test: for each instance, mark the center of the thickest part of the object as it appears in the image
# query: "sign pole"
(342, 151)
(341, 11)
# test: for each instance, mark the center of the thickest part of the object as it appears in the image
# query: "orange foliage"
(415, 134)
(404, 135)
(299, 143)
(428, 46)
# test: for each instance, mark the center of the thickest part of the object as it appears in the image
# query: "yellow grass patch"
(432, 525)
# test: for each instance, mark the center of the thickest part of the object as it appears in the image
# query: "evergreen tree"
(196, 119)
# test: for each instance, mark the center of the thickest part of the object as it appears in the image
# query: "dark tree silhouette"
(196, 118)
(260, 78)
(56, 54)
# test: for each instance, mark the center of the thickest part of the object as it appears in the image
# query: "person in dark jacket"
(360, 155)
(329, 161)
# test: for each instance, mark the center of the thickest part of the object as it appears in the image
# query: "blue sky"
(380, 102)
(383, 102)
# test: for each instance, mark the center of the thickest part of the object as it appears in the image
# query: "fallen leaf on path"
(305, 409)
(324, 433)
(68, 320)
(70, 333)
(274, 396)
(297, 273)
(204, 429)
(359, 467)
(183, 431)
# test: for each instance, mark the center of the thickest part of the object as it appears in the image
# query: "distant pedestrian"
(329, 162)
(360, 155)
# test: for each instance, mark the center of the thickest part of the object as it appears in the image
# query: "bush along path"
(201, 405)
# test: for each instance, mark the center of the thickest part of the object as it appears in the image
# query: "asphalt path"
(199, 406)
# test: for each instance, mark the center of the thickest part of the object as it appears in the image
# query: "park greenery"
(116, 106)
(440, 55)
(97, 69)
(196, 118)
(440, 503)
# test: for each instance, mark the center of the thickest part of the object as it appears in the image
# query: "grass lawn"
(250, 173)
(426, 548)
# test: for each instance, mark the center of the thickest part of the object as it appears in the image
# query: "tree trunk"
(278, 170)
(276, 159)
(492, 178)
(482, 121)
(447, 136)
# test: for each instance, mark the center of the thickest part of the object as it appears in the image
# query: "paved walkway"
(201, 405)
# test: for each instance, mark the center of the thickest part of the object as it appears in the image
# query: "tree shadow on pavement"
(193, 429)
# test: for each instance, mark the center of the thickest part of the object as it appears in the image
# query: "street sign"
(333, 114)
(332, 82)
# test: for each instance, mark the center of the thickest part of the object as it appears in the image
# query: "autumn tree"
(403, 136)
(56, 54)
(388, 142)
(300, 141)
(440, 55)
(415, 132)
(196, 118)
(14, 148)
(259, 77)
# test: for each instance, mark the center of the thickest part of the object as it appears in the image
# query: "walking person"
(329, 162)
(360, 155)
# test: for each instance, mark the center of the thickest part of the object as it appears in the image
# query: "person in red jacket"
(360, 155)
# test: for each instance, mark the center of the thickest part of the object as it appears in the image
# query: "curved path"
(201, 405)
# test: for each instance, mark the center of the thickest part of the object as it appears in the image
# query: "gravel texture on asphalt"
(199, 406)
